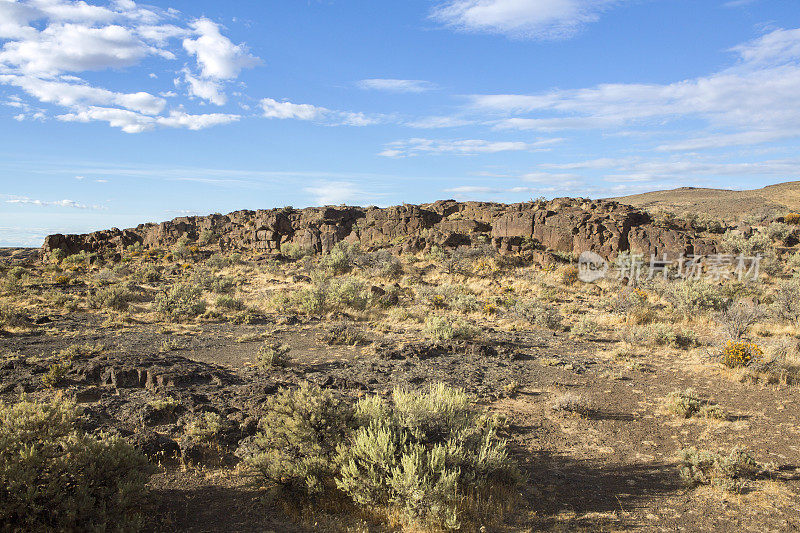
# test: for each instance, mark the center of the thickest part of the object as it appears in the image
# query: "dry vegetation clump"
(688, 404)
(343, 334)
(181, 301)
(727, 472)
(55, 477)
(445, 328)
(425, 455)
(271, 355)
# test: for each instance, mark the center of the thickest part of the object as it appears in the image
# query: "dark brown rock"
(562, 225)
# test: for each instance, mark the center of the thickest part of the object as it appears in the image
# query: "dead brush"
(572, 403)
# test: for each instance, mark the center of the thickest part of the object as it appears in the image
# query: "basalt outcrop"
(560, 225)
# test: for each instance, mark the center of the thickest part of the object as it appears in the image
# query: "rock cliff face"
(562, 225)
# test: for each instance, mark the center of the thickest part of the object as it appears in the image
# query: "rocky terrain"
(561, 225)
(651, 404)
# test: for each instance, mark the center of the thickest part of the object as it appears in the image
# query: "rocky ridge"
(566, 225)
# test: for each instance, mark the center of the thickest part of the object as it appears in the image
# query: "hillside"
(721, 203)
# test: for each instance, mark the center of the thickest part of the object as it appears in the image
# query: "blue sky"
(118, 113)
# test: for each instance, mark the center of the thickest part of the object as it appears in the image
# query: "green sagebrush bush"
(296, 445)
(117, 298)
(727, 472)
(181, 301)
(54, 477)
(425, 454)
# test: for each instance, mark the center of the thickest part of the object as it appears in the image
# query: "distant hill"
(721, 204)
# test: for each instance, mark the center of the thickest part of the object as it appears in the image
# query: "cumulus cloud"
(395, 85)
(417, 146)
(216, 55)
(534, 19)
(48, 43)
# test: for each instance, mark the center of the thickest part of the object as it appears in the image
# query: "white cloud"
(131, 122)
(47, 40)
(435, 122)
(76, 48)
(216, 55)
(417, 146)
(535, 19)
(287, 110)
(207, 89)
(80, 94)
(336, 193)
(753, 101)
(395, 85)
(56, 203)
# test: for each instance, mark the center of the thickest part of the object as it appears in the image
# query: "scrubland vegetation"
(389, 453)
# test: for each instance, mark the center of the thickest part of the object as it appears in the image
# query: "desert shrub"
(728, 472)
(585, 327)
(206, 237)
(204, 426)
(738, 317)
(17, 272)
(759, 243)
(792, 218)
(229, 302)
(272, 355)
(778, 231)
(540, 314)
(694, 296)
(55, 374)
(739, 354)
(629, 300)
(295, 251)
(687, 404)
(659, 334)
(424, 453)
(572, 403)
(341, 258)
(446, 295)
(444, 328)
(786, 300)
(380, 263)
(349, 293)
(569, 276)
(296, 446)
(54, 477)
(312, 300)
(12, 317)
(344, 334)
(181, 301)
(169, 345)
(117, 298)
(58, 255)
(75, 351)
(167, 405)
(149, 275)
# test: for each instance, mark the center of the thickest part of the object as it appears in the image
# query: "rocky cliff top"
(568, 225)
